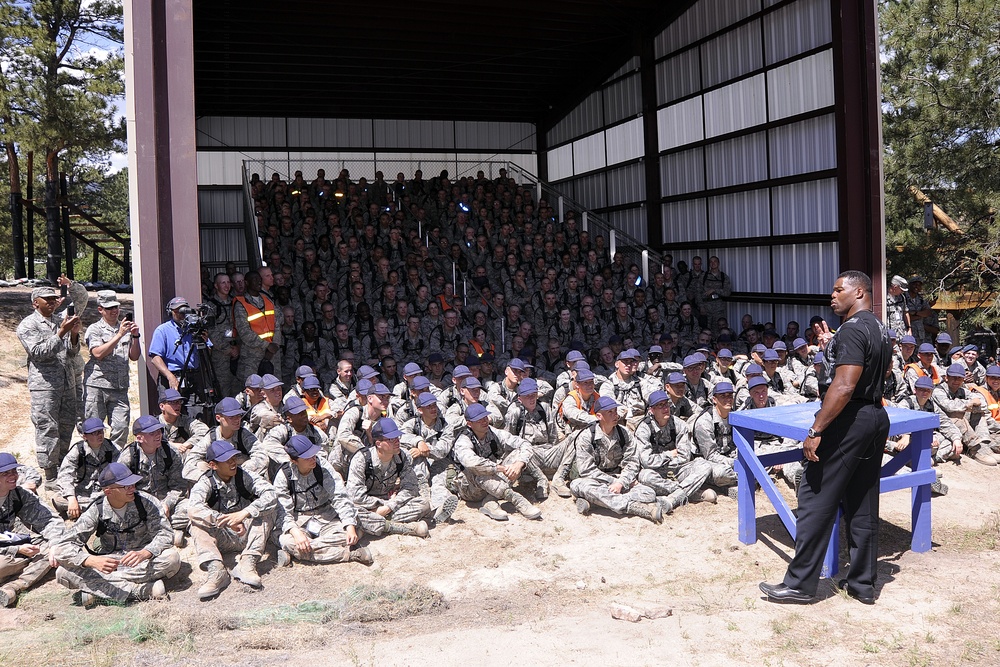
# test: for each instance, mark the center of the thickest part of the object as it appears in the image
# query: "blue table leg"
(920, 515)
(831, 561)
(746, 502)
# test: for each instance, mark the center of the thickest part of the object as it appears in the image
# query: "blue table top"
(793, 421)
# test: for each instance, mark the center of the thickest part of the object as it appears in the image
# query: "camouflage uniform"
(480, 458)
(78, 474)
(221, 333)
(322, 510)
(252, 346)
(46, 529)
(106, 381)
(52, 382)
(603, 460)
(393, 484)
(434, 469)
(669, 466)
(185, 432)
(160, 480)
(121, 535)
(713, 439)
(254, 458)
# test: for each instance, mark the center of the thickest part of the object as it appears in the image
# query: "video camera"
(197, 319)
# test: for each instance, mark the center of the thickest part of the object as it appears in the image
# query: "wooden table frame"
(793, 421)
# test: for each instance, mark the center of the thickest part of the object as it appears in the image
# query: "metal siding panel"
(622, 100)
(735, 310)
(204, 134)
(683, 172)
(805, 268)
(748, 268)
(684, 221)
(586, 117)
(736, 161)
(680, 124)
(626, 185)
(740, 215)
(590, 191)
(678, 76)
(625, 141)
(731, 54)
(783, 314)
(806, 208)
(222, 245)
(800, 86)
(735, 107)
(797, 27)
(560, 162)
(220, 207)
(588, 153)
(701, 20)
(632, 64)
(807, 146)
(632, 221)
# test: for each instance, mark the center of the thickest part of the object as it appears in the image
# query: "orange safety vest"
(260, 321)
(480, 348)
(992, 405)
(322, 406)
(935, 378)
(579, 402)
(444, 303)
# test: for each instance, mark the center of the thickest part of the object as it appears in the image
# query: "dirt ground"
(540, 593)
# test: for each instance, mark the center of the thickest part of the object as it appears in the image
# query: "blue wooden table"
(792, 421)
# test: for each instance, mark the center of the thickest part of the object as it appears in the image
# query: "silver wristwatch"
(813, 433)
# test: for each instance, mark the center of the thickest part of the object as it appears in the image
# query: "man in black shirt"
(844, 450)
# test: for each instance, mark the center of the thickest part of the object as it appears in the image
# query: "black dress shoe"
(782, 593)
(863, 599)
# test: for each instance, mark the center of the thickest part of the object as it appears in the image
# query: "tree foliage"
(941, 127)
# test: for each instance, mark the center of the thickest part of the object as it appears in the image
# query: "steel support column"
(651, 144)
(163, 179)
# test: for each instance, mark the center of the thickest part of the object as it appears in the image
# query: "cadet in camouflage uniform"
(231, 429)
(533, 420)
(492, 461)
(133, 541)
(50, 345)
(28, 562)
(296, 422)
(714, 288)
(230, 511)
(319, 523)
(669, 465)
(383, 486)
(607, 465)
(225, 349)
(267, 414)
(713, 436)
(79, 471)
(159, 464)
(430, 440)
(112, 346)
(179, 428)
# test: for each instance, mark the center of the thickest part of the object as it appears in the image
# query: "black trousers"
(850, 460)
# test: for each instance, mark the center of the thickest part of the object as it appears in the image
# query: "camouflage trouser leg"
(228, 384)
(599, 493)
(211, 543)
(549, 458)
(123, 583)
(179, 515)
(249, 361)
(723, 474)
(110, 406)
(712, 310)
(330, 546)
(687, 477)
(29, 570)
(373, 524)
(54, 415)
(440, 472)
(473, 488)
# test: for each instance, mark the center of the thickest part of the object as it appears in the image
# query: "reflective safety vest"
(935, 378)
(481, 349)
(260, 321)
(575, 395)
(991, 404)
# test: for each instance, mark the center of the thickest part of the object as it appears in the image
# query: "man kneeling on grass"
(319, 521)
(121, 548)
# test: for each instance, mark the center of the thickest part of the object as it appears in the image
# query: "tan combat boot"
(10, 591)
(246, 572)
(218, 579)
(418, 529)
(527, 510)
(361, 555)
(646, 511)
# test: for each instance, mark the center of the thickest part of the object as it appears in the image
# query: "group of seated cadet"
(322, 467)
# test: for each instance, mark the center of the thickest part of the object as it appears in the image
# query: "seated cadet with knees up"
(268, 413)
(24, 557)
(669, 465)
(77, 480)
(353, 431)
(317, 405)
(319, 522)
(430, 440)
(677, 391)
(607, 465)
(713, 438)
(532, 420)
(230, 429)
(121, 548)
(231, 511)
(179, 428)
(296, 423)
(383, 486)
(159, 465)
(492, 461)
(953, 401)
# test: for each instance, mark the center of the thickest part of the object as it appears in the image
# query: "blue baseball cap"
(758, 348)
(956, 370)
(363, 387)
(655, 349)
(993, 371)
(585, 376)
(271, 382)
(228, 407)
(723, 387)
(412, 369)
(779, 345)
(475, 412)
(170, 395)
(92, 425)
(8, 462)
(752, 369)
(926, 348)
(420, 383)
(658, 397)
(385, 428)
(581, 366)
(303, 371)
(819, 358)
(724, 353)
(301, 447)
(676, 378)
(924, 382)
(221, 450)
(367, 372)
(253, 381)
(574, 356)
(907, 340)
(461, 371)
(799, 342)
(380, 390)
(146, 424)
(294, 405)
(310, 382)
(770, 355)
(527, 387)
(425, 399)
(118, 473)
(756, 381)
(943, 339)
(605, 403)
(472, 383)
(629, 354)
(518, 364)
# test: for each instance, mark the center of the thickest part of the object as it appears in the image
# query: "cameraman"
(171, 349)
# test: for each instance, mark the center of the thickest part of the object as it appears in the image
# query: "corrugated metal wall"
(220, 220)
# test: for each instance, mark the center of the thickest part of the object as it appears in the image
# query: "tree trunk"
(16, 212)
(53, 223)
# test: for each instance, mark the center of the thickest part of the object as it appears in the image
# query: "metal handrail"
(456, 168)
(255, 247)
